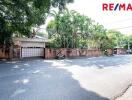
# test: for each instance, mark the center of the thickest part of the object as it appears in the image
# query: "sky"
(110, 19)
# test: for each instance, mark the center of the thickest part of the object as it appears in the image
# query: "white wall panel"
(32, 52)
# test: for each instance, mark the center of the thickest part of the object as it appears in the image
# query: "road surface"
(101, 78)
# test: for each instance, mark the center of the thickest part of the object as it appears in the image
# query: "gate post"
(11, 52)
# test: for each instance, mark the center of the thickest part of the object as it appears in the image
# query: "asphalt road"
(102, 78)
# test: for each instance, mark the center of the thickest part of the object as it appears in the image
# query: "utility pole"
(128, 45)
(129, 50)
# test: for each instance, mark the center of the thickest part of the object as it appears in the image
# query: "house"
(119, 50)
(29, 47)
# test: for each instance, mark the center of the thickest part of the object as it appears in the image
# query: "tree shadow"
(45, 82)
(99, 62)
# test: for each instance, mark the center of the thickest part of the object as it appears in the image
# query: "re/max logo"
(116, 7)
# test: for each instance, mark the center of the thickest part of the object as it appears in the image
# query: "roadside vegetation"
(70, 29)
(18, 17)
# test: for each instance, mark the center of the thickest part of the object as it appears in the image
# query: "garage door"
(32, 52)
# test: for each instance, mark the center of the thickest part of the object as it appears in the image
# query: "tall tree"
(116, 37)
(98, 35)
(67, 25)
(19, 16)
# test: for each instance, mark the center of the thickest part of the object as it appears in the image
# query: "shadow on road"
(41, 81)
(100, 62)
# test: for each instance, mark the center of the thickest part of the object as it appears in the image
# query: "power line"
(122, 28)
(124, 20)
(119, 21)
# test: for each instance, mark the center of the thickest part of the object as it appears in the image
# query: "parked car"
(129, 51)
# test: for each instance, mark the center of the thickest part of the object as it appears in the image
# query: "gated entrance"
(32, 52)
(31, 47)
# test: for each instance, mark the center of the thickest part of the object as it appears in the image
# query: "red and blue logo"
(117, 6)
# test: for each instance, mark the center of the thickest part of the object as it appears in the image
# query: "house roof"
(17, 40)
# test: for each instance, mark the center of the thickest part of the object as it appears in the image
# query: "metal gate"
(32, 52)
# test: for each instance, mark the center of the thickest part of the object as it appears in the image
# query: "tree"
(19, 16)
(99, 37)
(69, 29)
(51, 28)
(81, 27)
(128, 42)
(67, 25)
(116, 38)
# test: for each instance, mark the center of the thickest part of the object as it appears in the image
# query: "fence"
(51, 53)
(4, 53)
(121, 51)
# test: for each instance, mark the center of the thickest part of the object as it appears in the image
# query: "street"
(97, 78)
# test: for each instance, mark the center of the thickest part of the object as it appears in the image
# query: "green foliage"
(69, 29)
(127, 40)
(67, 25)
(117, 39)
(99, 35)
(19, 16)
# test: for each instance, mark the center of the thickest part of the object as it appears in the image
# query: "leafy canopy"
(66, 28)
(18, 16)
